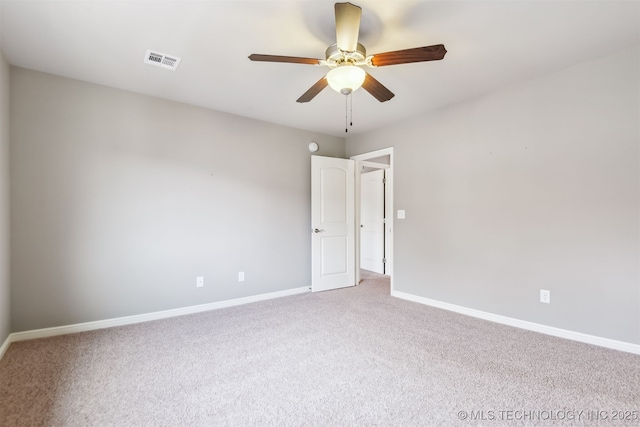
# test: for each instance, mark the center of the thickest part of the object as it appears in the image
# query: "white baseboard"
(129, 320)
(5, 346)
(523, 324)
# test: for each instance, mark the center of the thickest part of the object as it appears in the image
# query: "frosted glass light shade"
(346, 78)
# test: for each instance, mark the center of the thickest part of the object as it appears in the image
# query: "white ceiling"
(490, 44)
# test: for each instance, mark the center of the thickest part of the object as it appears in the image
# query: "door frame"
(365, 158)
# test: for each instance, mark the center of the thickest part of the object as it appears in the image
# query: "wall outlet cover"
(545, 296)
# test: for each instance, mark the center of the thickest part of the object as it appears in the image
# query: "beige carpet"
(348, 357)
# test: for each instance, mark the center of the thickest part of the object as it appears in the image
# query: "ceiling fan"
(346, 56)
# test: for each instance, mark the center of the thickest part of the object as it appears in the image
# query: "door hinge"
(384, 260)
(384, 180)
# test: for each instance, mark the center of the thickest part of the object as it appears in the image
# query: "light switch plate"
(401, 214)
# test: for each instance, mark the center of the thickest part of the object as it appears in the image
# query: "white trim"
(373, 154)
(523, 324)
(5, 346)
(129, 320)
(374, 165)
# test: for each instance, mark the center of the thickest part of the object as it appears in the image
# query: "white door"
(332, 223)
(372, 221)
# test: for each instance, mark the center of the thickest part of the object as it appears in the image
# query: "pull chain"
(346, 111)
(351, 109)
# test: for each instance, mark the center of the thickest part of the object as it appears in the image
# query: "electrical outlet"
(241, 276)
(199, 281)
(545, 296)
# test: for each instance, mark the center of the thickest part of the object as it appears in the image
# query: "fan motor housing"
(336, 57)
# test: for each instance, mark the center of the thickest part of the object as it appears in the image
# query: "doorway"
(372, 219)
(380, 160)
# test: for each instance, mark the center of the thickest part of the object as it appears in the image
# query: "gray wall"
(535, 186)
(4, 200)
(120, 200)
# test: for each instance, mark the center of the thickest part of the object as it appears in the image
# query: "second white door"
(372, 225)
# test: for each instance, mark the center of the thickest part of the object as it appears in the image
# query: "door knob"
(317, 230)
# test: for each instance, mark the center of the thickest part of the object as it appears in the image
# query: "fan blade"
(376, 89)
(418, 54)
(313, 90)
(347, 26)
(277, 58)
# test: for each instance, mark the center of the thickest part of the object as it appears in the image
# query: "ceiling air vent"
(163, 60)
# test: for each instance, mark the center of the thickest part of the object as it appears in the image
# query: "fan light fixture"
(346, 78)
